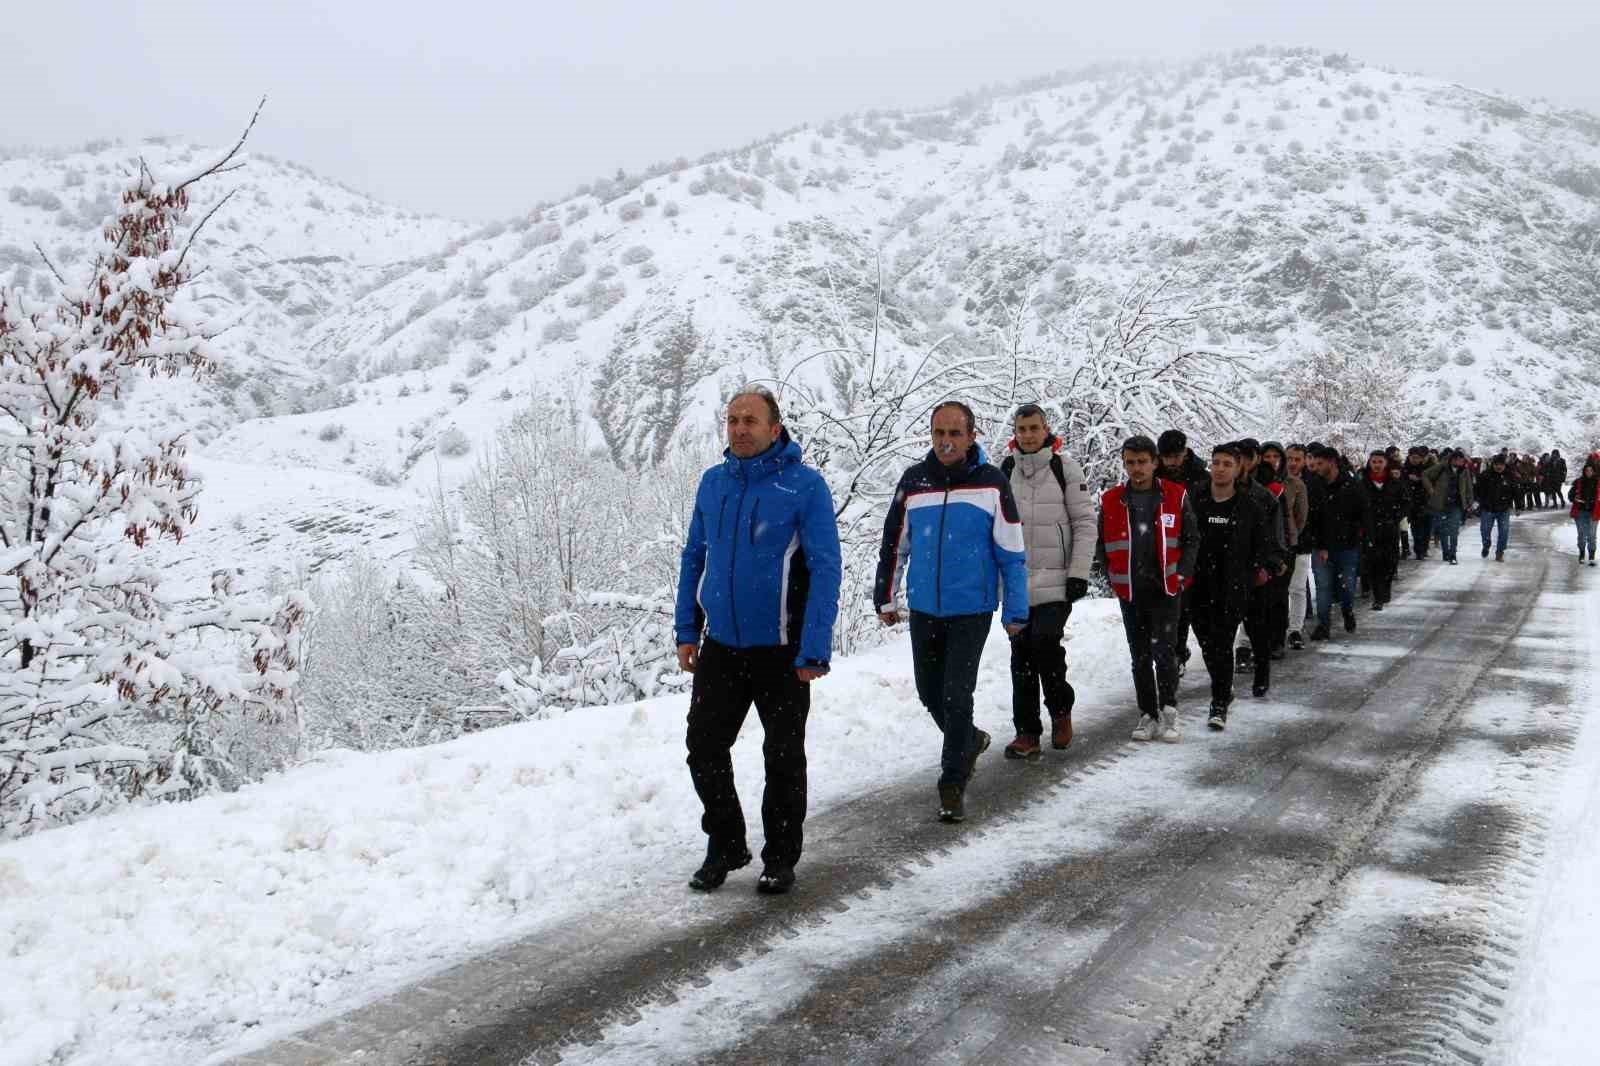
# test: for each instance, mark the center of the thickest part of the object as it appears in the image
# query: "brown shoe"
(1026, 746)
(1061, 731)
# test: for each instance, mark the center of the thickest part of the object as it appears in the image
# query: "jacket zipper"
(938, 569)
(733, 562)
(755, 509)
(722, 512)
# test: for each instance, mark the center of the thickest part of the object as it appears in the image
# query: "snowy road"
(1349, 874)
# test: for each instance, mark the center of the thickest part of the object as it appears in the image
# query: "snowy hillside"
(1320, 202)
(286, 251)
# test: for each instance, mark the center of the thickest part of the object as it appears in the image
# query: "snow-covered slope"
(1325, 203)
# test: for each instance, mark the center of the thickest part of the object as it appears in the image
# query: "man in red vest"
(1147, 547)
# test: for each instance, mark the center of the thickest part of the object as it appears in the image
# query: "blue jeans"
(1585, 533)
(1342, 566)
(1447, 527)
(1495, 520)
(944, 660)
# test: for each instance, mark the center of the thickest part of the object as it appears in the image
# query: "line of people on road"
(1245, 552)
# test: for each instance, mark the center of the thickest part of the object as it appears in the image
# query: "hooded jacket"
(1345, 515)
(1496, 490)
(1585, 497)
(761, 566)
(1058, 525)
(957, 538)
(1251, 546)
(1435, 477)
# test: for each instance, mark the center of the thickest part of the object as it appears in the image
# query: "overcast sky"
(478, 109)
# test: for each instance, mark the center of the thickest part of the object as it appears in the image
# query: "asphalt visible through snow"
(1171, 933)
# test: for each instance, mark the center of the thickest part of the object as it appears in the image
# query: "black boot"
(717, 866)
(1263, 679)
(1349, 621)
(1219, 716)
(952, 808)
(776, 879)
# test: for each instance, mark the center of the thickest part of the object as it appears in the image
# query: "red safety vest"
(1119, 538)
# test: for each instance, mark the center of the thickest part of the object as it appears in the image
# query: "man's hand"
(889, 616)
(1077, 589)
(808, 675)
(1014, 629)
(688, 657)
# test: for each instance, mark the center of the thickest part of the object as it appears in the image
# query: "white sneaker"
(1147, 729)
(1169, 725)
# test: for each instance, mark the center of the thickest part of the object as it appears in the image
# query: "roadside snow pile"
(159, 934)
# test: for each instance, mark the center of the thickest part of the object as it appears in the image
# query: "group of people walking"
(1247, 551)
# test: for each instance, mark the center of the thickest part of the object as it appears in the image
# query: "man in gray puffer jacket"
(1058, 529)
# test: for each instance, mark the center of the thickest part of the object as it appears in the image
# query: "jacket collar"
(974, 459)
(783, 451)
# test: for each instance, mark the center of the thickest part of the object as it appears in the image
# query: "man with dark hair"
(1237, 552)
(1146, 546)
(953, 524)
(1263, 490)
(1418, 516)
(758, 591)
(1338, 542)
(1386, 504)
(1181, 466)
(1298, 480)
(1450, 497)
(1497, 493)
(1058, 528)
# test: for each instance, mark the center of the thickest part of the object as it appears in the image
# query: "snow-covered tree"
(110, 687)
(1350, 399)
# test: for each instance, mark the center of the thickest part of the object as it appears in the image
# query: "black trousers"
(1382, 555)
(1421, 521)
(1039, 661)
(726, 681)
(945, 653)
(1150, 623)
(1215, 627)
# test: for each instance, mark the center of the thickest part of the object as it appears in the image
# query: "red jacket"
(1118, 538)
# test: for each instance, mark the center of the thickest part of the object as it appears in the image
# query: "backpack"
(1010, 463)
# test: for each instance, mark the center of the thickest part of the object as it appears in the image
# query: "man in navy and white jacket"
(954, 530)
(760, 578)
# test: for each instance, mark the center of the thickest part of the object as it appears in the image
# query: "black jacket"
(1194, 476)
(1417, 490)
(1251, 546)
(1387, 504)
(1496, 491)
(1345, 515)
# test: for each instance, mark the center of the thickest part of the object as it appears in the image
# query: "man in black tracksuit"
(1238, 553)
(1261, 612)
(1341, 518)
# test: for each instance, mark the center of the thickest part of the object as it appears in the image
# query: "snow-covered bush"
(453, 443)
(330, 432)
(109, 687)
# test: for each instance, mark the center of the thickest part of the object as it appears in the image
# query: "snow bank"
(169, 931)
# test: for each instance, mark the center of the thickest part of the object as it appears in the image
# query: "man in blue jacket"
(760, 578)
(953, 529)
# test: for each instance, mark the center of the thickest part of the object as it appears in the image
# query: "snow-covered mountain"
(1323, 202)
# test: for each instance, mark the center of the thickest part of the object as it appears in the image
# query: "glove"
(1077, 589)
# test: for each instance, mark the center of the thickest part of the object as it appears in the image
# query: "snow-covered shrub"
(670, 209)
(453, 443)
(477, 365)
(558, 329)
(330, 432)
(636, 254)
(108, 688)
(630, 211)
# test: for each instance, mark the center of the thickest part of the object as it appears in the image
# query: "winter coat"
(1273, 504)
(1057, 512)
(1438, 487)
(957, 537)
(1417, 489)
(1297, 502)
(1558, 470)
(761, 566)
(1345, 516)
(1193, 476)
(1386, 504)
(1252, 547)
(1585, 497)
(1496, 491)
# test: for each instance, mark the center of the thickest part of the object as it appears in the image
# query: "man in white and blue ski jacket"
(954, 532)
(758, 591)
